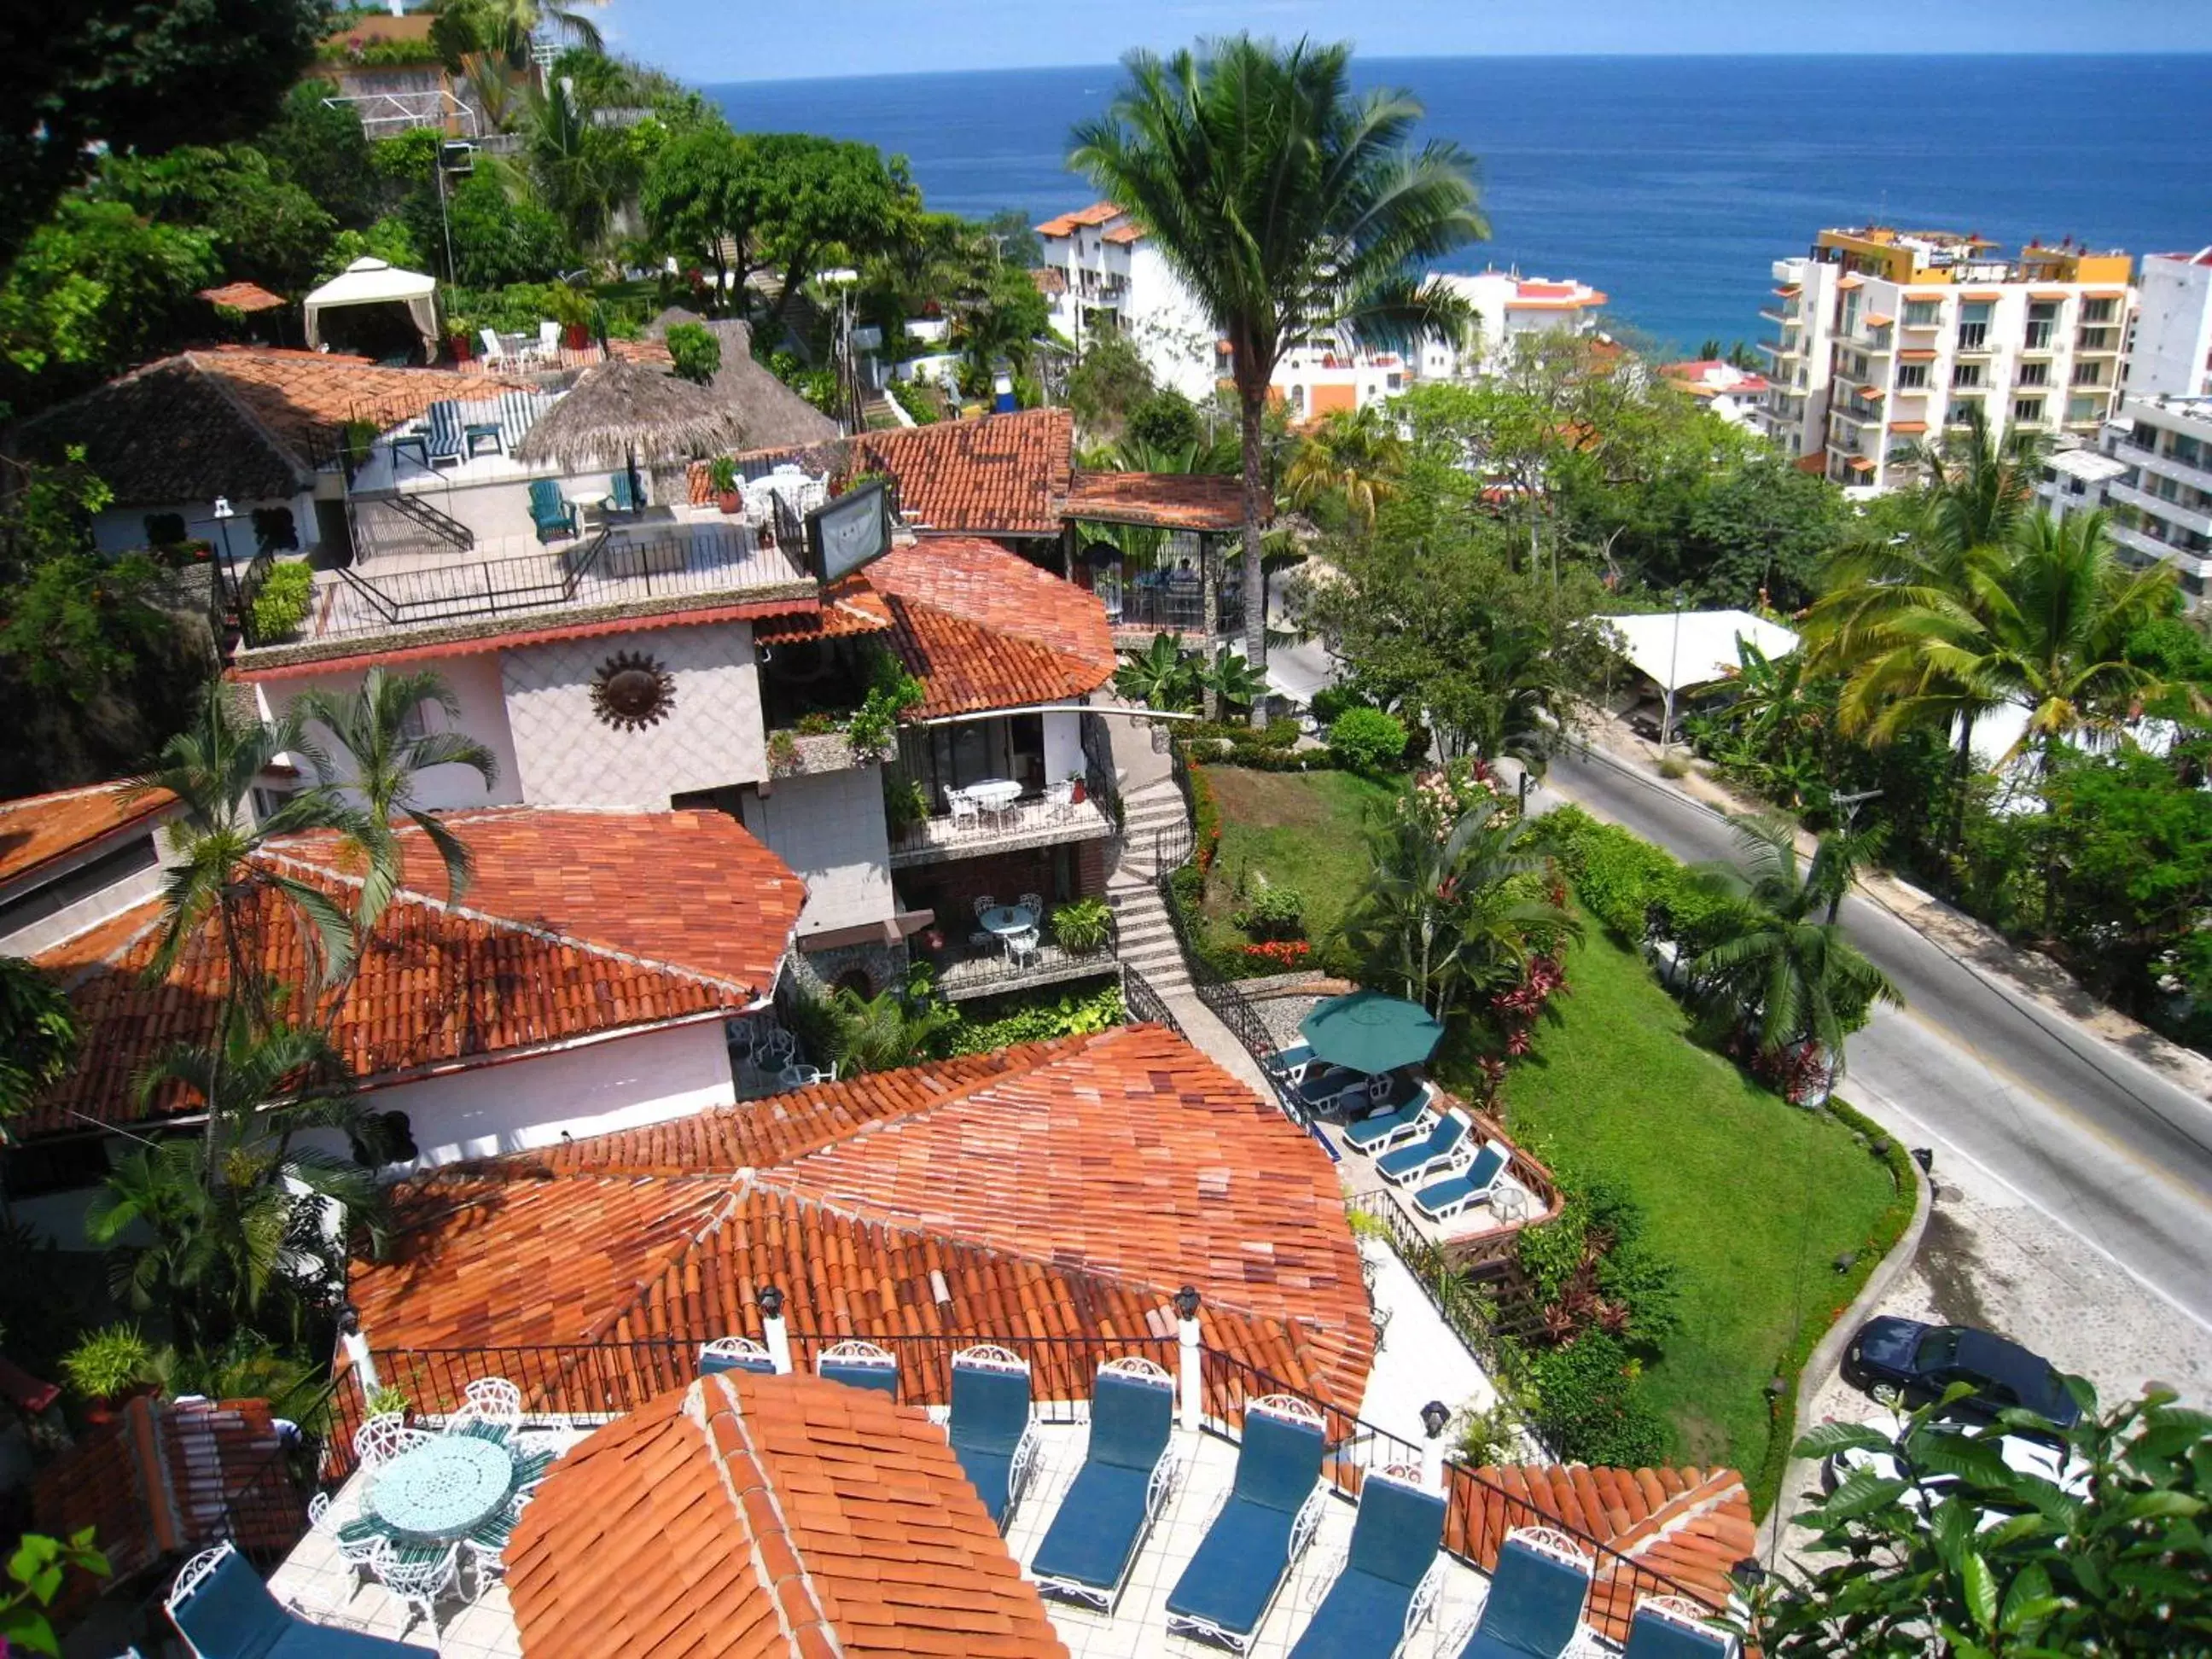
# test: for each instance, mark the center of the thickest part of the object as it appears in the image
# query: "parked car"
(1895, 1358)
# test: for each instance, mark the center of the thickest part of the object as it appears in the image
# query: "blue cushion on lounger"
(1535, 1606)
(1095, 1535)
(1240, 1561)
(990, 1415)
(1394, 1539)
(1439, 1143)
(1373, 1131)
(1655, 1637)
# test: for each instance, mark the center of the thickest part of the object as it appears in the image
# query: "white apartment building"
(1885, 338)
(1108, 276)
(2172, 355)
(2161, 501)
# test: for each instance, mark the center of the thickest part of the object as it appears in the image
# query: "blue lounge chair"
(990, 1427)
(1390, 1575)
(1119, 1492)
(1534, 1607)
(1437, 1153)
(1290, 1064)
(1440, 1200)
(223, 1611)
(552, 512)
(1264, 1526)
(1675, 1628)
(1328, 1088)
(621, 498)
(859, 1365)
(444, 439)
(734, 1353)
(1385, 1130)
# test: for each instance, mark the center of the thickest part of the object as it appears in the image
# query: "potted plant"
(723, 471)
(107, 1367)
(1075, 788)
(460, 337)
(1081, 927)
(571, 309)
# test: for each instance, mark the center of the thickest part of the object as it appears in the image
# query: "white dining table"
(994, 794)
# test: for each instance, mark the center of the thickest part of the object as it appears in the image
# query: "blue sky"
(712, 40)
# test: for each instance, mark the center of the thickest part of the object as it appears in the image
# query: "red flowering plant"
(1284, 953)
(1517, 1011)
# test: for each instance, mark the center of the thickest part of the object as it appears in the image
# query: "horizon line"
(1491, 57)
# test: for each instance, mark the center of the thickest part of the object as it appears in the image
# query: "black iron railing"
(965, 967)
(599, 1382)
(1180, 608)
(1143, 1006)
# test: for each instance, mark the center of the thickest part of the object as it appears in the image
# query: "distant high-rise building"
(1884, 338)
(2171, 355)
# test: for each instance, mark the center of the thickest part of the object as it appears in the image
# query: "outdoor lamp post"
(1192, 1367)
(1434, 1416)
(356, 1351)
(773, 1336)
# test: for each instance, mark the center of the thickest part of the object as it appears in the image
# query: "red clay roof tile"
(744, 1515)
(982, 627)
(37, 829)
(578, 923)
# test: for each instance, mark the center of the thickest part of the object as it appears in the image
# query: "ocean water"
(1672, 184)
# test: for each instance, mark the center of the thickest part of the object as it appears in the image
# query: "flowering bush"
(1440, 798)
(1206, 817)
(1284, 953)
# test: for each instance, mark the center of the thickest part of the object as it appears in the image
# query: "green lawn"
(1754, 1198)
(1301, 830)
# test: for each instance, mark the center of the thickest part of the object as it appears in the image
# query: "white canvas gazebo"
(373, 283)
(1679, 649)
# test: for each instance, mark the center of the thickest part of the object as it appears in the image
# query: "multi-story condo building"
(1884, 338)
(2173, 349)
(2161, 501)
(1107, 274)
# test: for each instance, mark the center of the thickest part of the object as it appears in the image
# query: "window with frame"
(1966, 375)
(2099, 311)
(1923, 313)
(1911, 377)
(2089, 374)
(2079, 410)
(2035, 375)
(1962, 410)
(2028, 411)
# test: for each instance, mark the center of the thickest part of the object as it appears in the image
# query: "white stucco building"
(1114, 279)
(2172, 352)
(1885, 338)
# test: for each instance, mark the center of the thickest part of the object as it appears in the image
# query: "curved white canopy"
(1695, 647)
(373, 283)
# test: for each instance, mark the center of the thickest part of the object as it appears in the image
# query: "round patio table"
(1007, 920)
(445, 1489)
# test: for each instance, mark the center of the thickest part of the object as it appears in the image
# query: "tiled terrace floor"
(314, 1580)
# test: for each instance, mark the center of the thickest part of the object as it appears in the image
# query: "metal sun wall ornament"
(632, 692)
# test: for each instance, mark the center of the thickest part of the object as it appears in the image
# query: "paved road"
(2097, 1142)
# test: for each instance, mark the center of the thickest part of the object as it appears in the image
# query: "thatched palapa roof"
(618, 410)
(773, 415)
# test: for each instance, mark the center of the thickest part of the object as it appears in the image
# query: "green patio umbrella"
(1371, 1032)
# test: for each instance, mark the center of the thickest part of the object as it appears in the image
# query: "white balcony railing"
(1034, 822)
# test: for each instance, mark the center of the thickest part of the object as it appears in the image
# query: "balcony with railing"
(640, 568)
(1035, 818)
(970, 961)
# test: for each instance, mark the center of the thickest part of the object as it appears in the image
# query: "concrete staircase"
(1148, 941)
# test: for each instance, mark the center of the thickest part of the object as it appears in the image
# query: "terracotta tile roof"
(1050, 280)
(231, 420)
(36, 829)
(1059, 1190)
(1171, 501)
(248, 297)
(579, 923)
(998, 474)
(748, 1515)
(1689, 1525)
(1123, 234)
(1064, 224)
(849, 606)
(982, 627)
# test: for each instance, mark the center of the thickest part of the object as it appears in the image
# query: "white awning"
(373, 283)
(1695, 647)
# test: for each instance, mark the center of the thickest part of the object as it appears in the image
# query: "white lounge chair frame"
(1424, 1592)
(1437, 1168)
(1481, 1195)
(1690, 1615)
(734, 1347)
(854, 1352)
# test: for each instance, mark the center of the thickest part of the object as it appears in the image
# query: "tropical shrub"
(1368, 740)
(696, 353)
(280, 604)
(37, 1568)
(108, 1362)
(1277, 955)
(1589, 1405)
(1081, 927)
(1273, 911)
(1037, 1019)
(1204, 817)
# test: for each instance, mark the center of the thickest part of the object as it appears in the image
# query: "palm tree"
(506, 28)
(889, 1030)
(223, 1251)
(1354, 458)
(384, 760)
(1885, 596)
(1288, 206)
(38, 1033)
(1162, 676)
(1456, 916)
(1788, 977)
(1233, 679)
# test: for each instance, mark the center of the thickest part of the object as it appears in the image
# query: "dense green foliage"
(999, 1022)
(1958, 1549)
(38, 1033)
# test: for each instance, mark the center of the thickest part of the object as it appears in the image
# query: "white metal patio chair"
(984, 902)
(1034, 903)
(967, 817)
(418, 1582)
(356, 1554)
(383, 1437)
(1022, 948)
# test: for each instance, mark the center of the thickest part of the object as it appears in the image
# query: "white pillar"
(1192, 1366)
(773, 1336)
(355, 1344)
(1434, 1416)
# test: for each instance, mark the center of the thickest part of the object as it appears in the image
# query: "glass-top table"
(445, 1488)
